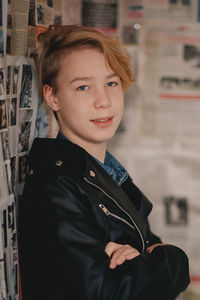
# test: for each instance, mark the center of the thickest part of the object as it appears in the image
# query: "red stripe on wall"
(181, 97)
(195, 279)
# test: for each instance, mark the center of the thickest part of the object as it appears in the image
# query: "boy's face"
(89, 101)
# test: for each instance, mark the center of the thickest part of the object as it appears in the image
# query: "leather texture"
(63, 233)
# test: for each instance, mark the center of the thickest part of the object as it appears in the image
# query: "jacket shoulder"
(49, 155)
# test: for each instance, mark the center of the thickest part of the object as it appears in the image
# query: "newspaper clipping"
(101, 14)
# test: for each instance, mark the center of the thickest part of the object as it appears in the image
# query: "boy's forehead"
(80, 49)
(84, 63)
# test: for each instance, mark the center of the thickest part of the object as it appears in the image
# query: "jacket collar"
(111, 165)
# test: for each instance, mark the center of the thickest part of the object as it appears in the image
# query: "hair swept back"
(57, 41)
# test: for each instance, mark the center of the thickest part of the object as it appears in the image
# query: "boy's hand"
(119, 253)
(150, 249)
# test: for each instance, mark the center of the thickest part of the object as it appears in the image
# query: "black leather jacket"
(71, 208)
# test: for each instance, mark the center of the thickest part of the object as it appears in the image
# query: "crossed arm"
(119, 253)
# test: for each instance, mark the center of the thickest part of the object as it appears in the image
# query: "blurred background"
(158, 140)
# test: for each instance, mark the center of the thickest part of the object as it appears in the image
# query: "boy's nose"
(102, 99)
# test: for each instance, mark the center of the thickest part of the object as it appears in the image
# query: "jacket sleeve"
(78, 249)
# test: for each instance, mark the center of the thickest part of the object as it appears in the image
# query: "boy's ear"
(50, 97)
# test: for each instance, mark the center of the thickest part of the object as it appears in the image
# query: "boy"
(83, 226)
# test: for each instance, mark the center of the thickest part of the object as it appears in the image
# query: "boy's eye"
(82, 87)
(112, 83)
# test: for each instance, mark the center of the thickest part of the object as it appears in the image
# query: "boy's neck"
(98, 153)
(96, 150)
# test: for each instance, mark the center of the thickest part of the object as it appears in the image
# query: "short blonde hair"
(57, 41)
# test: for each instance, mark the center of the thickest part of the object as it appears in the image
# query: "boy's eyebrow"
(91, 77)
(112, 75)
(80, 79)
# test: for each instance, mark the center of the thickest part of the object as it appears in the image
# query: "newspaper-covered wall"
(18, 106)
(25, 20)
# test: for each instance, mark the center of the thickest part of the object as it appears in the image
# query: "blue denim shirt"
(110, 165)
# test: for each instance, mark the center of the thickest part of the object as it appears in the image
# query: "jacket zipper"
(137, 228)
(108, 213)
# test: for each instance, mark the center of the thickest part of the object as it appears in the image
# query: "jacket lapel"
(98, 176)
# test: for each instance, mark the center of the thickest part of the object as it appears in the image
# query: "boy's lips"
(103, 122)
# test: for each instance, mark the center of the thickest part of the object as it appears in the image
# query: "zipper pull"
(105, 210)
